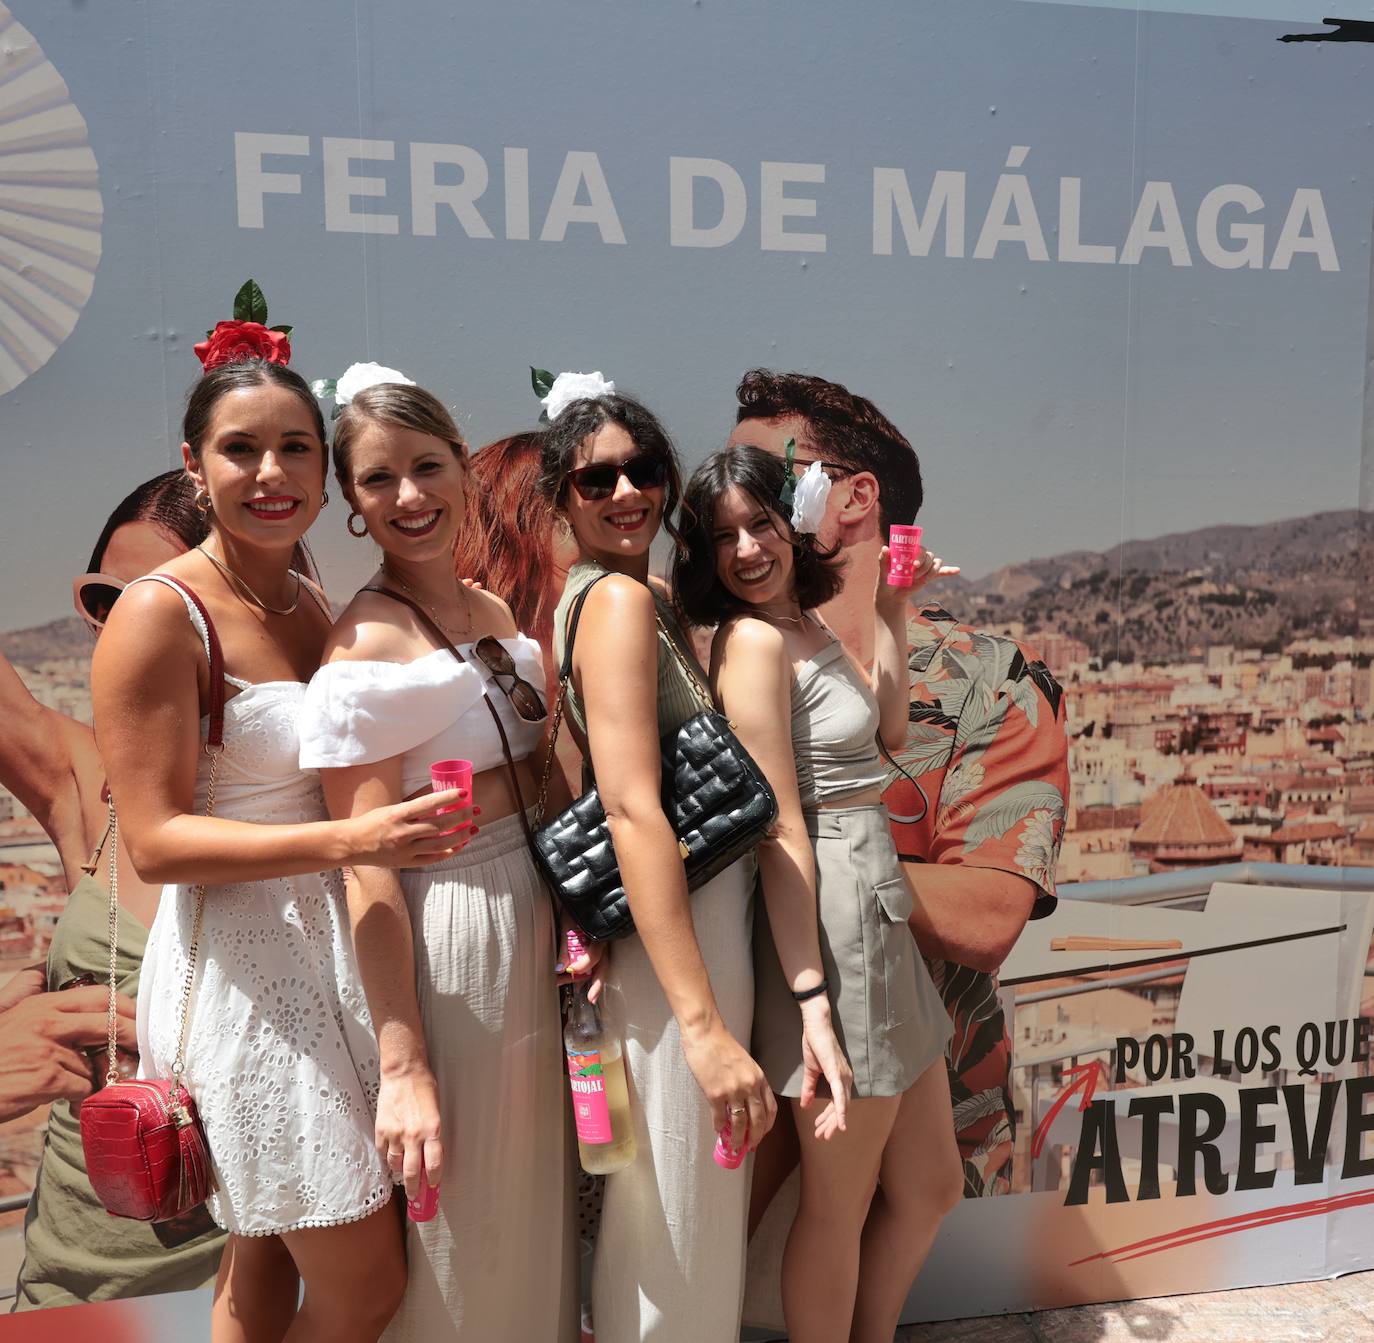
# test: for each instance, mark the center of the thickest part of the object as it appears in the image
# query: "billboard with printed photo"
(1107, 266)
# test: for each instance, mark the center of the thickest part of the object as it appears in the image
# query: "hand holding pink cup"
(903, 552)
(446, 774)
(422, 1209)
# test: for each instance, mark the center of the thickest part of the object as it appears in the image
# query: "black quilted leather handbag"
(714, 796)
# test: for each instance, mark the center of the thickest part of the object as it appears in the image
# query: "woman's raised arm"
(147, 682)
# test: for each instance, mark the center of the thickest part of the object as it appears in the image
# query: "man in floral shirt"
(978, 800)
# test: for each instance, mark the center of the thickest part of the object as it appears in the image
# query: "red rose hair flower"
(230, 342)
(247, 336)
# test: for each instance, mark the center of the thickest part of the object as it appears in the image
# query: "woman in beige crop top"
(669, 1256)
(457, 959)
(835, 957)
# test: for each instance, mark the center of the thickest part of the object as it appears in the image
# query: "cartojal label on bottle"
(591, 1110)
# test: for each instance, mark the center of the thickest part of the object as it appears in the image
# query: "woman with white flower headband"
(670, 1253)
(458, 959)
(841, 991)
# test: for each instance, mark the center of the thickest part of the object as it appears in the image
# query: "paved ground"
(1340, 1311)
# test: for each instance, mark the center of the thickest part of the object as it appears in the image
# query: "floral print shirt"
(983, 782)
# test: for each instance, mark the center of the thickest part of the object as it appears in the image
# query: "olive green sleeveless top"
(678, 699)
(73, 1249)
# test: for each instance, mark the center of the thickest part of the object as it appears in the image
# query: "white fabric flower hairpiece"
(809, 498)
(557, 394)
(354, 379)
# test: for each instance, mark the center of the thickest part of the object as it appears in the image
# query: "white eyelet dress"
(497, 1260)
(280, 1055)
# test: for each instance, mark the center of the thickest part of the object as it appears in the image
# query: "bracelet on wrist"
(815, 991)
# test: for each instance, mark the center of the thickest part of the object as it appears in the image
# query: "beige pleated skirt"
(669, 1263)
(499, 1259)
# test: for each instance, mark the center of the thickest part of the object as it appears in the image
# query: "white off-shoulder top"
(355, 713)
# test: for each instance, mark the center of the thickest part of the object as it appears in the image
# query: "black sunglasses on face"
(644, 471)
(524, 698)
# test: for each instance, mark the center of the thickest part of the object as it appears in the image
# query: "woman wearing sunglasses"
(458, 959)
(74, 1251)
(670, 1253)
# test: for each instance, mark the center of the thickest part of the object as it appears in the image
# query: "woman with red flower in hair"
(252, 926)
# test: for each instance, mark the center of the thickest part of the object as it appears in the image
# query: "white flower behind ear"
(359, 377)
(570, 387)
(808, 502)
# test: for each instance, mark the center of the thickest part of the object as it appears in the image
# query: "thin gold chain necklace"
(248, 592)
(454, 632)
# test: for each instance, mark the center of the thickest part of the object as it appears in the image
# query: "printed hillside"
(1171, 598)
(53, 642)
(1263, 586)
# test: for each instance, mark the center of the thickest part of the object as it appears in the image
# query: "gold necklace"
(777, 615)
(453, 633)
(248, 592)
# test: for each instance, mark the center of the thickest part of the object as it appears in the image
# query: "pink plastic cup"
(422, 1209)
(726, 1155)
(903, 550)
(446, 774)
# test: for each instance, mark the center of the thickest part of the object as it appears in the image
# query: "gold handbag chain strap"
(112, 838)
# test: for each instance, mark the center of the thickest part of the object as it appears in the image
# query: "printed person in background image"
(979, 809)
(74, 1251)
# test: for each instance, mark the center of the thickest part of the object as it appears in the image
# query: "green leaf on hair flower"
(285, 330)
(323, 387)
(789, 486)
(541, 380)
(335, 413)
(249, 304)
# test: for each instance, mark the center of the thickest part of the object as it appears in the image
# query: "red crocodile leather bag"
(145, 1148)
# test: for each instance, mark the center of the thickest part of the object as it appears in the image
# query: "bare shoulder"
(490, 615)
(749, 652)
(749, 636)
(374, 628)
(618, 598)
(148, 635)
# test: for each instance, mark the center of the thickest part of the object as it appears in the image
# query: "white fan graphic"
(50, 209)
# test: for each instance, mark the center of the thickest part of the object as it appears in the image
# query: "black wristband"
(815, 991)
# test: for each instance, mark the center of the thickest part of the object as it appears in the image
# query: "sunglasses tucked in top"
(523, 697)
(645, 471)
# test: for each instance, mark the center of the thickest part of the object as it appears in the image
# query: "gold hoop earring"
(324, 499)
(349, 525)
(201, 499)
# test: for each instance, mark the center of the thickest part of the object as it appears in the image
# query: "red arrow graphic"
(1085, 1079)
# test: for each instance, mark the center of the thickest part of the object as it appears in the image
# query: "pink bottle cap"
(725, 1155)
(422, 1209)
